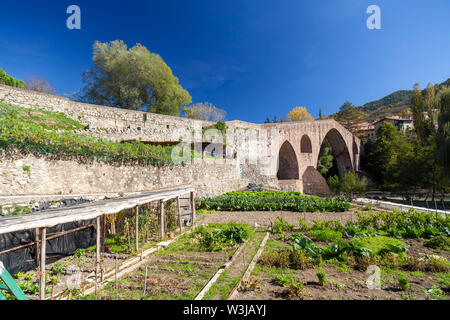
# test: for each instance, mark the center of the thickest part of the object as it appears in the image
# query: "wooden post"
(42, 264)
(137, 229)
(38, 246)
(103, 233)
(161, 204)
(98, 248)
(192, 208)
(145, 278)
(179, 214)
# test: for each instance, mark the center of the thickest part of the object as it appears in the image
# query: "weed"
(297, 289)
(403, 282)
(283, 280)
(58, 269)
(281, 226)
(443, 279)
(252, 284)
(435, 293)
(440, 241)
(322, 277)
(275, 258)
(299, 260)
(343, 268)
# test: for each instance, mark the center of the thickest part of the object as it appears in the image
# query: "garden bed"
(334, 266)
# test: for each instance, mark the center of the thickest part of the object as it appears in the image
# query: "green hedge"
(10, 81)
(272, 201)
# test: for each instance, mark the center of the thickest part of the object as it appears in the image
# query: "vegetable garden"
(273, 201)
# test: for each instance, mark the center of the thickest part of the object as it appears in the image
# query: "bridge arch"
(288, 168)
(340, 151)
(305, 144)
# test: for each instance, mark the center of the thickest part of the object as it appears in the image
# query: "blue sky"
(254, 58)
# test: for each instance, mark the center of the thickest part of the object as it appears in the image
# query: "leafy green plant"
(322, 277)
(272, 201)
(282, 280)
(217, 239)
(435, 293)
(326, 235)
(403, 282)
(28, 286)
(281, 226)
(438, 242)
(58, 269)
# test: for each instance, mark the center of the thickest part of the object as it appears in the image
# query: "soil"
(265, 218)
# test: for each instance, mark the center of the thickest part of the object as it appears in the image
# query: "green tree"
(326, 164)
(418, 109)
(133, 79)
(443, 133)
(348, 115)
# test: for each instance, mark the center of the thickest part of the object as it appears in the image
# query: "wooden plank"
(98, 247)
(42, 265)
(192, 208)
(179, 215)
(137, 229)
(36, 238)
(161, 219)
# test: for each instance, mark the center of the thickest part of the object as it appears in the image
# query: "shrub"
(439, 241)
(350, 185)
(281, 226)
(322, 276)
(403, 282)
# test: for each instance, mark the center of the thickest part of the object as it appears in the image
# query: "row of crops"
(273, 201)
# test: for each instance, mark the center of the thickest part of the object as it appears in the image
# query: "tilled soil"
(266, 218)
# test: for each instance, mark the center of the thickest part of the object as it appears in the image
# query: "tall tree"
(418, 109)
(443, 133)
(205, 111)
(132, 78)
(348, 115)
(299, 114)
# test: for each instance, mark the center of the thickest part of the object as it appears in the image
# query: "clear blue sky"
(254, 58)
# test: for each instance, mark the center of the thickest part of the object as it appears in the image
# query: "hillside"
(392, 104)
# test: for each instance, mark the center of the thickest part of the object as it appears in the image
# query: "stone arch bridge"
(293, 150)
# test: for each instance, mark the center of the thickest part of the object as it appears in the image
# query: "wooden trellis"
(89, 211)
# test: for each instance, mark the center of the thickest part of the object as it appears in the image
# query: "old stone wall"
(29, 174)
(255, 149)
